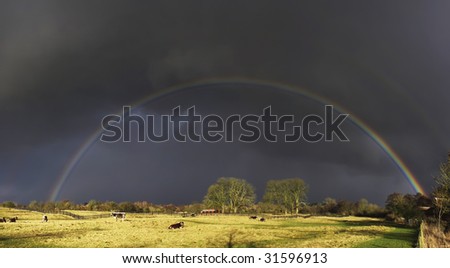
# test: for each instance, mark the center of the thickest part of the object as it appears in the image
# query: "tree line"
(284, 196)
(226, 195)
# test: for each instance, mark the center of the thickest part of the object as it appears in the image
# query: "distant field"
(141, 230)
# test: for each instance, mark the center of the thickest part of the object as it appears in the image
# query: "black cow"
(2, 219)
(262, 219)
(13, 219)
(176, 225)
(253, 217)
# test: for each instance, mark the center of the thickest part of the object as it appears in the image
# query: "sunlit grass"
(88, 212)
(143, 230)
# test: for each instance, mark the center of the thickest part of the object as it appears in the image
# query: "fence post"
(421, 238)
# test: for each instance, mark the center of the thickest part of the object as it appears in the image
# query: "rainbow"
(76, 157)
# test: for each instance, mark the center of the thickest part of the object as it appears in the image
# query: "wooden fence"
(421, 238)
(84, 217)
(73, 215)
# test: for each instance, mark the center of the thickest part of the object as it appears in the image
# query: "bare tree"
(241, 194)
(288, 194)
(441, 192)
(275, 194)
(297, 189)
(216, 196)
(231, 193)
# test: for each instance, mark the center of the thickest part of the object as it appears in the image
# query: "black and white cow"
(118, 215)
(177, 225)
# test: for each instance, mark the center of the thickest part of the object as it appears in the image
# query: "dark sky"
(66, 65)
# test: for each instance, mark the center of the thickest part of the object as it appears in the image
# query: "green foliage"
(230, 194)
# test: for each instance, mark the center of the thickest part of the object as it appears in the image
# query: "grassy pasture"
(142, 230)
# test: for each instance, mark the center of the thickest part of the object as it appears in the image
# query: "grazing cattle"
(117, 215)
(44, 218)
(253, 217)
(262, 219)
(3, 219)
(13, 219)
(176, 225)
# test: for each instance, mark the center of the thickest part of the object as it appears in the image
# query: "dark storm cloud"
(183, 171)
(63, 66)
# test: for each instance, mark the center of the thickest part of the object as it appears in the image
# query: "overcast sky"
(66, 65)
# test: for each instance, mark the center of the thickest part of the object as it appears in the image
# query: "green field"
(143, 230)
